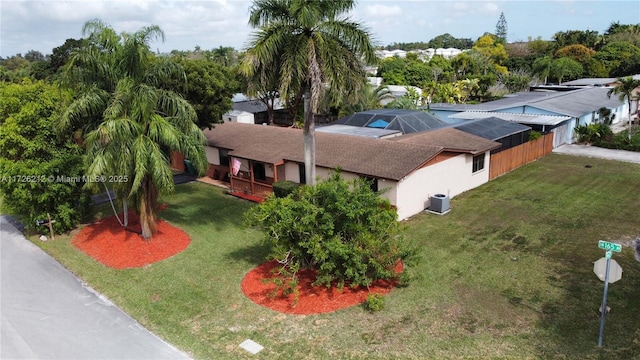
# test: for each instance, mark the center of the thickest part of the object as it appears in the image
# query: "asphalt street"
(48, 313)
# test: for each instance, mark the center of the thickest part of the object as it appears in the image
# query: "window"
(373, 183)
(302, 173)
(478, 163)
(224, 157)
(258, 171)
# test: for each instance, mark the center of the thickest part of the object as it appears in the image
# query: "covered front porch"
(253, 180)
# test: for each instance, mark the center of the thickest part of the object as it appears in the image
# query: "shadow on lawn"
(196, 204)
(573, 322)
(254, 254)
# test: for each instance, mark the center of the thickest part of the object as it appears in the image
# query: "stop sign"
(600, 268)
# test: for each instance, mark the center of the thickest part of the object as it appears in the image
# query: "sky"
(43, 25)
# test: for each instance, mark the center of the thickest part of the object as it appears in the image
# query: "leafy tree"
(209, 88)
(620, 58)
(491, 48)
(577, 52)
(129, 124)
(15, 63)
(60, 55)
(501, 29)
(341, 228)
(465, 64)
(588, 38)
(449, 41)
(392, 70)
(539, 46)
(318, 46)
(34, 162)
(627, 89)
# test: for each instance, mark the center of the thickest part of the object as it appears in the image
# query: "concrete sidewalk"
(46, 312)
(597, 152)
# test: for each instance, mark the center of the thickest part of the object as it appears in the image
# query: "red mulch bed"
(311, 299)
(112, 245)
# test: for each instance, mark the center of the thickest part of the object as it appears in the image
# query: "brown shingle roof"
(365, 156)
(450, 139)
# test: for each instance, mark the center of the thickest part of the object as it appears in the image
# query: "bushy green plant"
(341, 228)
(592, 132)
(534, 135)
(39, 173)
(284, 188)
(374, 302)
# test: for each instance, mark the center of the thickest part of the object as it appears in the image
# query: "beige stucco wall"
(450, 177)
(213, 155)
(410, 195)
(291, 172)
(268, 170)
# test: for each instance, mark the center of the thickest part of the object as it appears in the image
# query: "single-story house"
(252, 110)
(580, 106)
(558, 125)
(410, 168)
(508, 134)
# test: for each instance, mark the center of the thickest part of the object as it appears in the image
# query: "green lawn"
(506, 274)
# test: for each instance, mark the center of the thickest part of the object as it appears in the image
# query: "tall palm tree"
(318, 46)
(626, 89)
(130, 125)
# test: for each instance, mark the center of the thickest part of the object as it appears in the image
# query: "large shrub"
(341, 228)
(39, 173)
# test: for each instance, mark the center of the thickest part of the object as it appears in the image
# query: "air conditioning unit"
(439, 203)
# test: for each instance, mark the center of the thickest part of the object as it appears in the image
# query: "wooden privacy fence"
(513, 158)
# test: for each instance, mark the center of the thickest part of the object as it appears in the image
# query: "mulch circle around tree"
(311, 299)
(119, 248)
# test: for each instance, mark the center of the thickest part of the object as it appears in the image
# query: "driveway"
(597, 152)
(48, 313)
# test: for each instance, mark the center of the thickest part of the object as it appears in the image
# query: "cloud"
(383, 10)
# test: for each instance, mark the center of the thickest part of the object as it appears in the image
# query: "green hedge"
(282, 189)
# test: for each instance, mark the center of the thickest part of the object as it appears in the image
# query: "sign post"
(609, 247)
(603, 309)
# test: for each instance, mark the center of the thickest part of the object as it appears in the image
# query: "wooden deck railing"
(246, 186)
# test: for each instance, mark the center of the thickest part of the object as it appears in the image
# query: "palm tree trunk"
(629, 104)
(148, 208)
(309, 134)
(125, 210)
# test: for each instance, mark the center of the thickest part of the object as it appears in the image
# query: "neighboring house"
(580, 106)
(250, 110)
(508, 134)
(424, 54)
(545, 124)
(410, 168)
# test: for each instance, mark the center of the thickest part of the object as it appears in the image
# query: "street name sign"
(609, 246)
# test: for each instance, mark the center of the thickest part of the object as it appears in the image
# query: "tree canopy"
(39, 172)
(128, 123)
